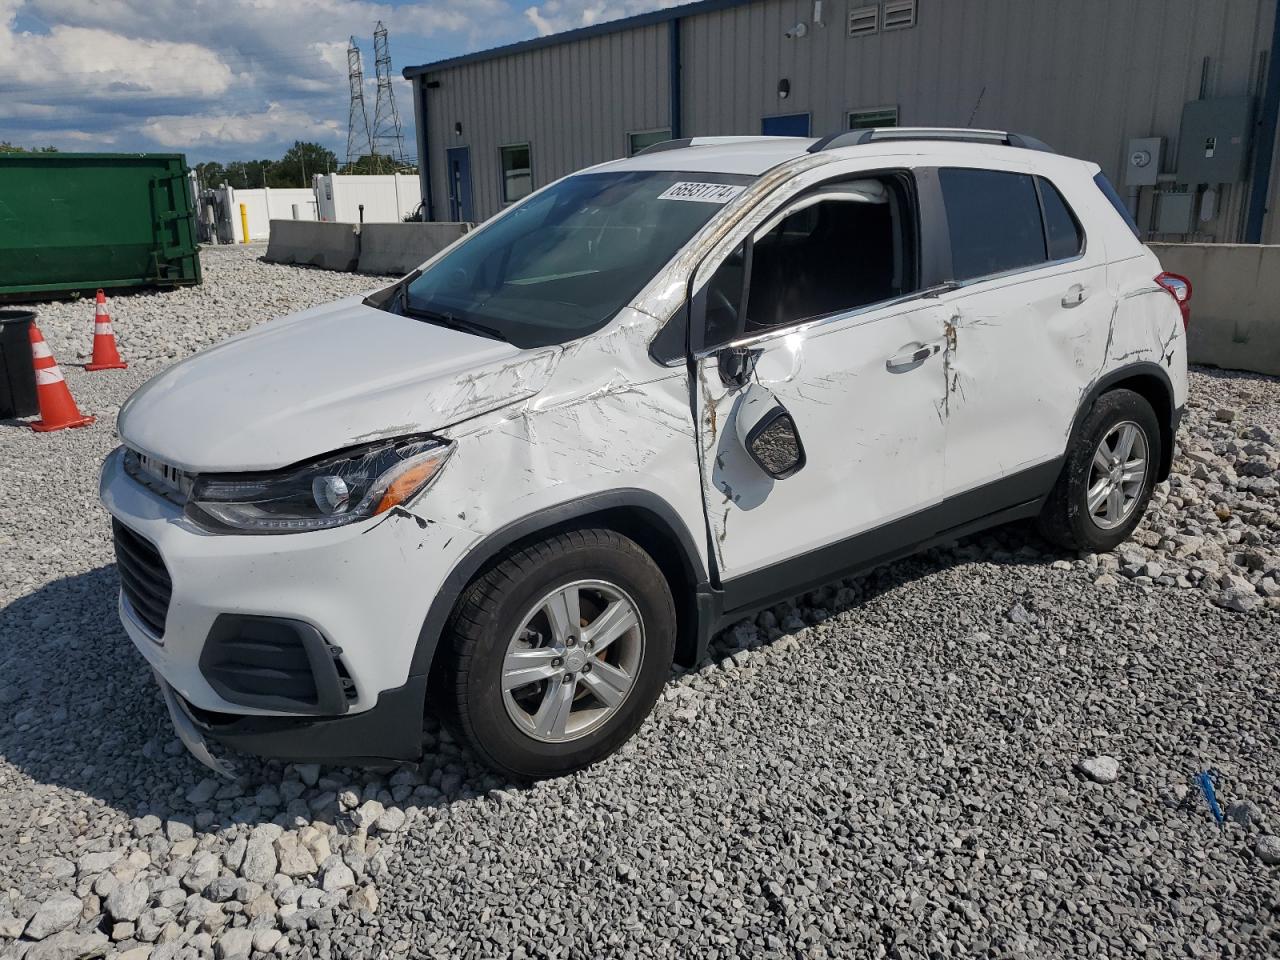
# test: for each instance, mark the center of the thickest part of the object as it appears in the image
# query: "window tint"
(831, 256)
(1113, 198)
(1061, 229)
(994, 221)
(517, 173)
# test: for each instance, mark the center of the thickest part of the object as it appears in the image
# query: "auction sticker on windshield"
(701, 192)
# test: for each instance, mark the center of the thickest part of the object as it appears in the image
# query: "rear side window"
(1062, 231)
(1109, 192)
(994, 220)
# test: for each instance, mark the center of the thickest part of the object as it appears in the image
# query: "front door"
(827, 326)
(458, 166)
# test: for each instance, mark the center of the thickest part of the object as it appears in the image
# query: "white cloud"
(555, 16)
(275, 123)
(230, 79)
(95, 63)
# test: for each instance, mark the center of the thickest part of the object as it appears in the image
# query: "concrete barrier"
(401, 247)
(334, 246)
(1235, 302)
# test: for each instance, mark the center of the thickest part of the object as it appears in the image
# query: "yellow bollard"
(244, 223)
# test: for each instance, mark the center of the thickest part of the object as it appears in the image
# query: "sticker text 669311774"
(701, 192)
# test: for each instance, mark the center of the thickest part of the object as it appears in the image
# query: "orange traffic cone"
(105, 355)
(57, 409)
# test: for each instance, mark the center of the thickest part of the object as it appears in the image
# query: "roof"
(582, 33)
(747, 155)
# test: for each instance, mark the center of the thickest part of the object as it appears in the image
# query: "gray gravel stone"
(1267, 850)
(1100, 769)
(127, 901)
(59, 912)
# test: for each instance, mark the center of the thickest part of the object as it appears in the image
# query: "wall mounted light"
(457, 128)
(784, 88)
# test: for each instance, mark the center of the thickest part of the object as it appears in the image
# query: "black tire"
(1065, 518)
(492, 609)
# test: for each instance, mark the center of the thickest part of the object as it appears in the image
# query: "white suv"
(654, 397)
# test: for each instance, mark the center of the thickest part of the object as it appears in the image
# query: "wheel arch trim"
(1143, 370)
(641, 503)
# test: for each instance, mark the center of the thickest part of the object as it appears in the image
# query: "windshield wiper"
(448, 320)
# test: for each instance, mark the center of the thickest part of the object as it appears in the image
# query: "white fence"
(386, 199)
(332, 197)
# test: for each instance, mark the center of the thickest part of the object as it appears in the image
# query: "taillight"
(1179, 288)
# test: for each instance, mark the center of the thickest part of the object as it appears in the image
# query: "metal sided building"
(1177, 100)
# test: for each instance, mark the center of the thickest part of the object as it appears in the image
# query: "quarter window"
(1061, 229)
(994, 220)
(517, 173)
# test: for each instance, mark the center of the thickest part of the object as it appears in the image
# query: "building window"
(517, 173)
(645, 139)
(869, 119)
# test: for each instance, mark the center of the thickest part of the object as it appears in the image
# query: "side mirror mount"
(768, 433)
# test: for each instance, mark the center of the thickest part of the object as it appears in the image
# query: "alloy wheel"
(1117, 475)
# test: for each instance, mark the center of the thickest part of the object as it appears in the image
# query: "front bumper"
(388, 732)
(364, 588)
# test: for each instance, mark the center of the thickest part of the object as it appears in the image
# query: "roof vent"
(864, 21)
(899, 14)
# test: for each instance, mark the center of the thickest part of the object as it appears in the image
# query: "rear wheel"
(559, 652)
(1107, 480)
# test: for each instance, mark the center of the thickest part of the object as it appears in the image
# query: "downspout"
(1267, 124)
(673, 60)
(424, 149)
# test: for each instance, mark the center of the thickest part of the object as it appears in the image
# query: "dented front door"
(863, 391)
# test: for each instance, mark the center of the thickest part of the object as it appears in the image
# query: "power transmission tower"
(387, 139)
(359, 142)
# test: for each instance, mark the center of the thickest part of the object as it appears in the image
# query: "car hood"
(321, 380)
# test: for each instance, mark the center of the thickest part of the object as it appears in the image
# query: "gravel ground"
(988, 750)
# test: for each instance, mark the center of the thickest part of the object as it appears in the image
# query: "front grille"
(143, 576)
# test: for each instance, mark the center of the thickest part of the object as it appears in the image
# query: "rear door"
(1026, 332)
(820, 314)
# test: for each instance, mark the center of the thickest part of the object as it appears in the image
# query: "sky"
(234, 79)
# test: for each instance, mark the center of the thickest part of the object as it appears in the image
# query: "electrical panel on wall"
(1213, 144)
(1142, 164)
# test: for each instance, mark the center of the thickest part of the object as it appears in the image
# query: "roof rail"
(697, 142)
(855, 138)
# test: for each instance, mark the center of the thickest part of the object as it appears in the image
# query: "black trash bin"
(17, 373)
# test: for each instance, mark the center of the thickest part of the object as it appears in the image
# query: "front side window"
(517, 173)
(565, 261)
(840, 247)
(994, 220)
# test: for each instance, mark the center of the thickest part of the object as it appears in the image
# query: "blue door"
(458, 166)
(791, 125)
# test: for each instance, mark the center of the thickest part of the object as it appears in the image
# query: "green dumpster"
(73, 222)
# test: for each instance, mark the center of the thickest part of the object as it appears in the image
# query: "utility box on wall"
(1213, 144)
(1142, 165)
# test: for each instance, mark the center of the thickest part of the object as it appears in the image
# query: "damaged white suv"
(650, 399)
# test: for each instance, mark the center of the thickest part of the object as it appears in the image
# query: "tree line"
(295, 169)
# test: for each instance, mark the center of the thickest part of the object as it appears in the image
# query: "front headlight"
(336, 490)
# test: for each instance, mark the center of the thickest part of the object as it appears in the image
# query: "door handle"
(911, 359)
(1074, 296)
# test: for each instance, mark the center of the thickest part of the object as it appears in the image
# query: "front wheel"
(559, 652)
(1108, 477)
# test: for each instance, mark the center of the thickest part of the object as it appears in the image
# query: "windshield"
(563, 263)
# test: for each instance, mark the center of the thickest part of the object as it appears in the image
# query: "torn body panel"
(609, 418)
